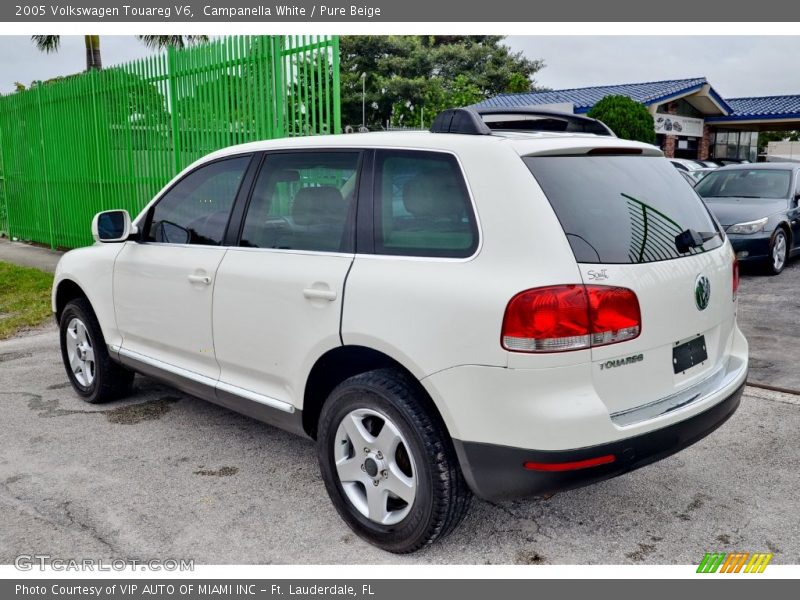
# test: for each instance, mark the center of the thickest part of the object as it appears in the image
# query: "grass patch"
(24, 298)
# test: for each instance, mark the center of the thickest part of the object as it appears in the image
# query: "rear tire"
(778, 252)
(376, 438)
(93, 375)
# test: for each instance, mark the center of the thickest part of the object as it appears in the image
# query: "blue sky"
(735, 65)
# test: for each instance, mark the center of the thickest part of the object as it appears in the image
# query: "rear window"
(622, 209)
(746, 183)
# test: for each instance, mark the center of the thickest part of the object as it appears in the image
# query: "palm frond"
(47, 43)
(160, 42)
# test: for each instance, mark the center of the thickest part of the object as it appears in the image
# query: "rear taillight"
(559, 318)
(735, 277)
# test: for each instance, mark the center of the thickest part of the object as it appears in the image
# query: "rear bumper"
(496, 472)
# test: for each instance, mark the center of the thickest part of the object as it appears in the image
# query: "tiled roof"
(763, 107)
(583, 99)
(655, 92)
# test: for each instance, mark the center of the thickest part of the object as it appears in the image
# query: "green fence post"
(337, 107)
(173, 107)
(43, 147)
(5, 227)
(96, 118)
(277, 86)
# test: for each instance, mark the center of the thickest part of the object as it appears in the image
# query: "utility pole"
(363, 100)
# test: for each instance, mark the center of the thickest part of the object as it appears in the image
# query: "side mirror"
(112, 226)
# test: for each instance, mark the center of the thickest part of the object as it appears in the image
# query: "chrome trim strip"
(254, 397)
(163, 366)
(720, 379)
(209, 382)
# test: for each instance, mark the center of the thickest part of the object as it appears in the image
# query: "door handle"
(204, 279)
(317, 294)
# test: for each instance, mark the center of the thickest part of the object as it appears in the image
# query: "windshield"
(622, 209)
(745, 183)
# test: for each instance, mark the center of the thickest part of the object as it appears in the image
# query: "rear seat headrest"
(435, 196)
(319, 205)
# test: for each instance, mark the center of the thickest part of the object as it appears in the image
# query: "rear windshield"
(746, 183)
(623, 209)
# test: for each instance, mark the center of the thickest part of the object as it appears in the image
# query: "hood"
(730, 211)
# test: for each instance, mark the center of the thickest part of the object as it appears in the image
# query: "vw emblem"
(702, 292)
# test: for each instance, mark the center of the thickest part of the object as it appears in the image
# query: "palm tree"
(51, 43)
(160, 42)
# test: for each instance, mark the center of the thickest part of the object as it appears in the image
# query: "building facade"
(690, 118)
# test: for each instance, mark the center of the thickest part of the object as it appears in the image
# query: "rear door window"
(303, 201)
(622, 209)
(422, 207)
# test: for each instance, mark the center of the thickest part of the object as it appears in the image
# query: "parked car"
(757, 204)
(699, 174)
(451, 312)
(686, 164)
(687, 177)
(710, 163)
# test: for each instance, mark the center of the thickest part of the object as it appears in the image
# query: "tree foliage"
(765, 137)
(626, 117)
(406, 74)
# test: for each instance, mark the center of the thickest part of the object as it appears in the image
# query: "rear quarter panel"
(432, 314)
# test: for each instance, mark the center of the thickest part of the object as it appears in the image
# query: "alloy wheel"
(80, 352)
(779, 252)
(375, 466)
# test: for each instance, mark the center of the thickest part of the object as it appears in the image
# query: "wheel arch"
(788, 231)
(344, 362)
(67, 290)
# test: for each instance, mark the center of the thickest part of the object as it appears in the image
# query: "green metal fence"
(112, 138)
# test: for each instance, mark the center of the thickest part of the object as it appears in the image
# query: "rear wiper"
(690, 238)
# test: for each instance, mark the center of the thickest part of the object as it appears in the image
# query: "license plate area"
(686, 355)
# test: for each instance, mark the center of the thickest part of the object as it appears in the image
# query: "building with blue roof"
(691, 119)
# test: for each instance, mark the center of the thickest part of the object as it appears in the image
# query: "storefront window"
(742, 145)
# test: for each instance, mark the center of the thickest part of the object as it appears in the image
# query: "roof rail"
(460, 120)
(484, 121)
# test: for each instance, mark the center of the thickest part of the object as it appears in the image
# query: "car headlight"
(749, 227)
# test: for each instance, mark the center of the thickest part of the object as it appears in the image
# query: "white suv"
(471, 309)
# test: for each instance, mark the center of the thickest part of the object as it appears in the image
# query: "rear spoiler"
(485, 121)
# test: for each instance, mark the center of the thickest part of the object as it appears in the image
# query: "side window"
(422, 207)
(303, 201)
(196, 209)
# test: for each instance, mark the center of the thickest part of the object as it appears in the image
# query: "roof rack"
(485, 121)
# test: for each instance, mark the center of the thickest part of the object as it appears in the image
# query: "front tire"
(93, 375)
(778, 252)
(388, 463)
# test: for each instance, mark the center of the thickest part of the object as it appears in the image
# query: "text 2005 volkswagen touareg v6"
(507, 305)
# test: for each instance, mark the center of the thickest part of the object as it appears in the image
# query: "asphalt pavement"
(769, 315)
(164, 475)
